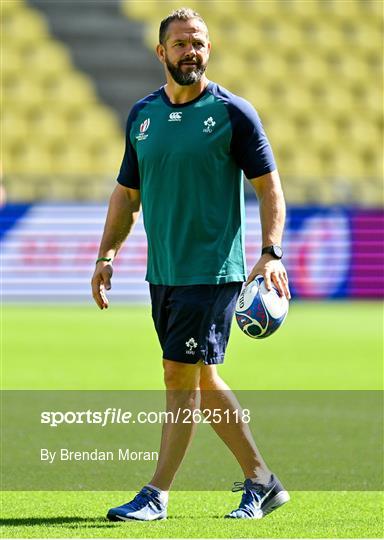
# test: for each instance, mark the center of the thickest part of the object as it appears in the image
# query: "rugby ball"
(259, 312)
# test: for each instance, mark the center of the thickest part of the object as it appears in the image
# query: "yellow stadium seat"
(46, 123)
(13, 127)
(281, 34)
(266, 64)
(307, 162)
(363, 132)
(292, 97)
(374, 100)
(321, 131)
(260, 98)
(228, 66)
(228, 10)
(345, 164)
(19, 92)
(367, 96)
(369, 37)
(29, 157)
(72, 158)
(11, 63)
(243, 37)
(47, 59)
(302, 67)
(106, 157)
(374, 62)
(297, 9)
(373, 161)
(339, 10)
(254, 10)
(137, 9)
(10, 7)
(280, 130)
(351, 68)
(94, 123)
(330, 98)
(23, 27)
(323, 36)
(72, 88)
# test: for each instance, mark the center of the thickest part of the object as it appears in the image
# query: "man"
(187, 145)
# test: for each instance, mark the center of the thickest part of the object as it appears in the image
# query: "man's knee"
(179, 376)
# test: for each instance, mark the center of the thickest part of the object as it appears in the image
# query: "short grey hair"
(182, 14)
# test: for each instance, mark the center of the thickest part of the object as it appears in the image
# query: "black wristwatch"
(275, 251)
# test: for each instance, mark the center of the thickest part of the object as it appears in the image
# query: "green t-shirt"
(187, 161)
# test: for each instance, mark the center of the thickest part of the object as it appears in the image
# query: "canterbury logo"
(175, 117)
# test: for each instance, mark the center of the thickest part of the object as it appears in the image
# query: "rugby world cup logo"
(145, 125)
(143, 128)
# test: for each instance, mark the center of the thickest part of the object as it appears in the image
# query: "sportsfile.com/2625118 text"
(113, 415)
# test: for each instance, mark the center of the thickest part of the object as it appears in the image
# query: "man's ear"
(160, 51)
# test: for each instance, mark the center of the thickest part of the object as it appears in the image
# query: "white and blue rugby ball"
(259, 312)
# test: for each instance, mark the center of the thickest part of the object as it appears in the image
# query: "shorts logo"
(191, 345)
(175, 117)
(143, 128)
(209, 125)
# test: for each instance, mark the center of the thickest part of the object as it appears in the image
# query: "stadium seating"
(54, 126)
(313, 70)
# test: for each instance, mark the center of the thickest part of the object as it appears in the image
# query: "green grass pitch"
(333, 345)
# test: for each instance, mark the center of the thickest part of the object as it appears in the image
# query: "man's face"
(186, 51)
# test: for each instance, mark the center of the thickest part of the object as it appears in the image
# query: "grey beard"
(185, 79)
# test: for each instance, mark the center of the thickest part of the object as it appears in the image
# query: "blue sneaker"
(258, 500)
(146, 506)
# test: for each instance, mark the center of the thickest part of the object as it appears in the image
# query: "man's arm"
(123, 211)
(272, 216)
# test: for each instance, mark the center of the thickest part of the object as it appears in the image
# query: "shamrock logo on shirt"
(209, 125)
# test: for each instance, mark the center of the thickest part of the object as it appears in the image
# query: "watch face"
(277, 251)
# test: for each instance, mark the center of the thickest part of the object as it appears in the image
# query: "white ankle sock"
(163, 495)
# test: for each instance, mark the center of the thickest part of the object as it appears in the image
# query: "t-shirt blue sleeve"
(249, 146)
(129, 170)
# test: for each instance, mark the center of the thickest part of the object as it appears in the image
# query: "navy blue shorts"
(193, 322)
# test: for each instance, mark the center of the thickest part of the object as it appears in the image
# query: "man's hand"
(273, 271)
(101, 281)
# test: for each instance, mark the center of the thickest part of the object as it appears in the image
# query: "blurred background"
(70, 72)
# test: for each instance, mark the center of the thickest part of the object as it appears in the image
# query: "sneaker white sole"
(278, 500)
(142, 520)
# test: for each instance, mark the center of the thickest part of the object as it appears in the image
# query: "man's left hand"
(273, 272)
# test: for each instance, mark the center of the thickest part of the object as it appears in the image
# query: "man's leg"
(216, 394)
(182, 384)
(262, 491)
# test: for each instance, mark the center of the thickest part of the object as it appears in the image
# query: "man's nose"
(190, 49)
